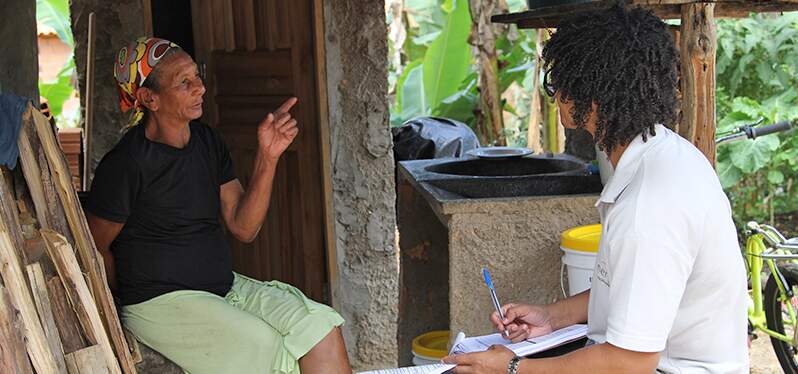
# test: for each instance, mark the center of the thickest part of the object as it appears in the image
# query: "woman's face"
(180, 93)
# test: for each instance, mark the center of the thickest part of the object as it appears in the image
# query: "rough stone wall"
(19, 62)
(118, 23)
(519, 243)
(363, 180)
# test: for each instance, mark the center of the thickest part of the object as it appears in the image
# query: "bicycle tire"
(773, 313)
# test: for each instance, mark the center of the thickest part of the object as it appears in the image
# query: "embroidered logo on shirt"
(602, 272)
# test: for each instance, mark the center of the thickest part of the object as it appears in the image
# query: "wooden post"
(88, 124)
(698, 44)
(484, 39)
(533, 127)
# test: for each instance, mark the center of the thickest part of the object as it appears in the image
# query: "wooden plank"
(324, 151)
(90, 260)
(37, 174)
(30, 168)
(78, 292)
(39, 289)
(14, 279)
(697, 50)
(13, 358)
(69, 328)
(88, 361)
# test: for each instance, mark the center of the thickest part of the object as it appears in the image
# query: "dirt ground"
(763, 360)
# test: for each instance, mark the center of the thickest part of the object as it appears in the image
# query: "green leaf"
(400, 83)
(55, 13)
(775, 177)
(752, 155)
(59, 91)
(448, 59)
(728, 173)
(414, 100)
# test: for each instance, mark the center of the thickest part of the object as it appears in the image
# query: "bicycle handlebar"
(752, 132)
(768, 232)
(770, 129)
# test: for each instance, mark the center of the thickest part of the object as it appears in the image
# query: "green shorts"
(258, 327)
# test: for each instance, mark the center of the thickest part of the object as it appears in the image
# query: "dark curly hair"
(622, 59)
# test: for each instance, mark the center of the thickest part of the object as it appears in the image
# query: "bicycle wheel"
(775, 313)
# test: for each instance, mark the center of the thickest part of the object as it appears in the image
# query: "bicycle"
(772, 311)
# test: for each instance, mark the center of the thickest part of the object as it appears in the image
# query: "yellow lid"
(432, 344)
(582, 238)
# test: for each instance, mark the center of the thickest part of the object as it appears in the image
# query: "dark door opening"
(171, 20)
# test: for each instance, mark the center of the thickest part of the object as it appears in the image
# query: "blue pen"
(494, 297)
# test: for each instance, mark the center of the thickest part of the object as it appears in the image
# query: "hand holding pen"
(517, 322)
(520, 321)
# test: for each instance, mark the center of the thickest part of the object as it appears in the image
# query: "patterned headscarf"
(133, 64)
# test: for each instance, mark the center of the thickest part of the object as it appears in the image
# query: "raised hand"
(523, 321)
(277, 131)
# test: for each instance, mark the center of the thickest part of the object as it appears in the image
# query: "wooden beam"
(78, 292)
(90, 260)
(698, 46)
(324, 150)
(13, 358)
(87, 361)
(14, 279)
(40, 296)
(548, 17)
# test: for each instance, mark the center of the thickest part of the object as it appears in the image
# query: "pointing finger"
(286, 106)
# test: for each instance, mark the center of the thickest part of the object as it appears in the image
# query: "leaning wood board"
(78, 292)
(90, 261)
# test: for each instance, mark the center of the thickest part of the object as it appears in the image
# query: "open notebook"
(482, 343)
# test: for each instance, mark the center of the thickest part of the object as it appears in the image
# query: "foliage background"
(55, 14)
(432, 72)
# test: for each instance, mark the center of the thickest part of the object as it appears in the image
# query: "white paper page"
(524, 348)
(425, 369)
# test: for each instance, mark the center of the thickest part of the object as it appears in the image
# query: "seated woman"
(154, 211)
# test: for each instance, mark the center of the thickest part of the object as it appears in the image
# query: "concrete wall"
(118, 23)
(19, 64)
(363, 179)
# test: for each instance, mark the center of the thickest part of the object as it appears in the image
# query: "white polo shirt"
(669, 275)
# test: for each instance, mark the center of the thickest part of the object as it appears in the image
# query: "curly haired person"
(668, 292)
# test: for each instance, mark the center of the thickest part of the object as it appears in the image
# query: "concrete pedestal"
(445, 242)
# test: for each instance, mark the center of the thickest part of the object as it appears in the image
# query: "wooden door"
(257, 54)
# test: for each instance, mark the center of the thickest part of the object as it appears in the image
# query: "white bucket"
(580, 270)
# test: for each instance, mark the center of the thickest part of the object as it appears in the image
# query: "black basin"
(514, 167)
(541, 185)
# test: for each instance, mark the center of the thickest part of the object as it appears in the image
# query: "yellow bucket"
(430, 348)
(580, 246)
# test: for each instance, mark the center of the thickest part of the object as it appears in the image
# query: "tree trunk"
(698, 45)
(483, 38)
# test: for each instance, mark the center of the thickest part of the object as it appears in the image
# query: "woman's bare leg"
(328, 356)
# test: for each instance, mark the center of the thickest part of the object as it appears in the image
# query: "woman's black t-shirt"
(168, 199)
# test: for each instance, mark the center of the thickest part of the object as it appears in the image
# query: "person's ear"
(147, 98)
